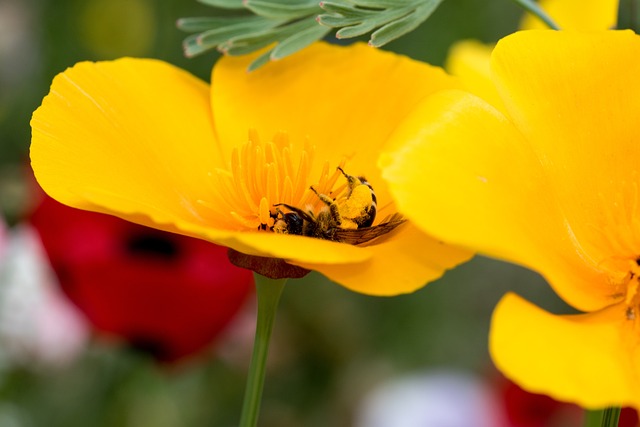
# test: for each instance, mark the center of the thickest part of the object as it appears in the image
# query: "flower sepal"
(273, 268)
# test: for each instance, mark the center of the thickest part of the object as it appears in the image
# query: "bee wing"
(393, 218)
(363, 235)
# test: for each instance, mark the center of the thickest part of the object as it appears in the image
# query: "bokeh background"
(337, 358)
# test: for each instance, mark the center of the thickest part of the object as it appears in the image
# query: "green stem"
(602, 418)
(268, 295)
(533, 8)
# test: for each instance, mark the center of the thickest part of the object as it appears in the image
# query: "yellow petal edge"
(588, 359)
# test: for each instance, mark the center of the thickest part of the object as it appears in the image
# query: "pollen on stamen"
(632, 287)
(614, 237)
(265, 213)
(261, 175)
(629, 288)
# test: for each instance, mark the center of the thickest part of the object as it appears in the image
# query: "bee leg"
(325, 199)
(333, 207)
(352, 182)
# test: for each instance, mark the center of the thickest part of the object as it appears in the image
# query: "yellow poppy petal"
(575, 97)
(130, 137)
(575, 15)
(470, 60)
(288, 247)
(590, 359)
(134, 138)
(466, 175)
(403, 264)
(345, 100)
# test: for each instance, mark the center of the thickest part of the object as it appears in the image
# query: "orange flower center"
(618, 232)
(632, 283)
(262, 175)
(624, 274)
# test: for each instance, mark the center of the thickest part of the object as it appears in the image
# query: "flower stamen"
(632, 297)
(262, 175)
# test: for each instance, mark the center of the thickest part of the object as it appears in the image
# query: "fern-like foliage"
(287, 26)
(386, 20)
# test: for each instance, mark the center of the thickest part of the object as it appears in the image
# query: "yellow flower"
(552, 184)
(469, 59)
(145, 141)
(575, 15)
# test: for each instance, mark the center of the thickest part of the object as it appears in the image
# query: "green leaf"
(338, 21)
(404, 25)
(193, 25)
(287, 26)
(384, 4)
(356, 30)
(298, 41)
(535, 9)
(346, 11)
(260, 61)
(394, 30)
(192, 48)
(392, 19)
(238, 47)
(282, 9)
(247, 44)
(224, 4)
(377, 19)
(220, 35)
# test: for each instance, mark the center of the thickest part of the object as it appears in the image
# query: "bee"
(358, 207)
(348, 219)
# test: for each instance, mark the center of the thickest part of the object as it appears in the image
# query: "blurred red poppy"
(167, 294)
(525, 409)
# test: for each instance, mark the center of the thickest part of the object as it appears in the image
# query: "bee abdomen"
(370, 213)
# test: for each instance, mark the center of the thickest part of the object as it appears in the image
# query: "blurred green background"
(330, 346)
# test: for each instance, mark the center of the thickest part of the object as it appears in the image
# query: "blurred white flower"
(441, 398)
(39, 327)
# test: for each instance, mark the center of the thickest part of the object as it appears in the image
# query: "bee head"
(287, 223)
